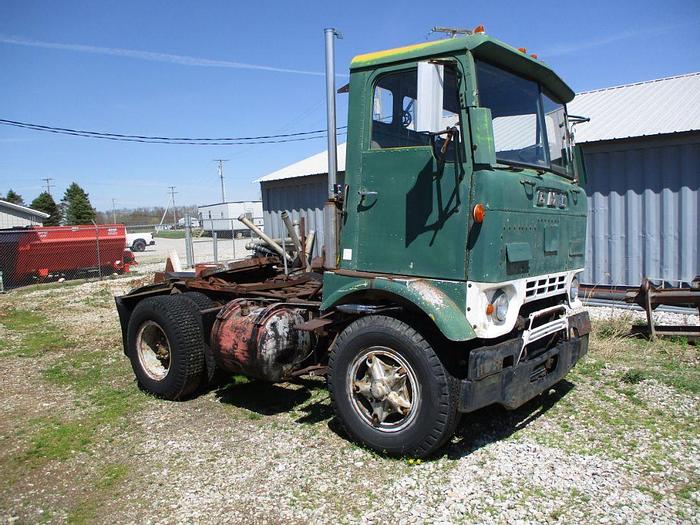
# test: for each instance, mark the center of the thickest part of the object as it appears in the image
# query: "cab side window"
(394, 110)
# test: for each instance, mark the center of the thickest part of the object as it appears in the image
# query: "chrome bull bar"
(530, 335)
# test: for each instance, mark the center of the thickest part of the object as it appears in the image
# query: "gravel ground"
(603, 446)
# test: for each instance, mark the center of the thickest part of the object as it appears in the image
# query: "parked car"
(138, 241)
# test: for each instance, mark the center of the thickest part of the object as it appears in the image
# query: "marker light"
(522, 50)
(479, 212)
(479, 29)
(489, 309)
(534, 55)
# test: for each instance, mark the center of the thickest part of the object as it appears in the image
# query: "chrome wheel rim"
(383, 389)
(153, 349)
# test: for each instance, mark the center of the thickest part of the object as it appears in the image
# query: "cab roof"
(483, 47)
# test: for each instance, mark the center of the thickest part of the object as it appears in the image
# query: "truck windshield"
(529, 127)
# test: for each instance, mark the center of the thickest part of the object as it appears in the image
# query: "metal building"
(14, 215)
(300, 189)
(642, 149)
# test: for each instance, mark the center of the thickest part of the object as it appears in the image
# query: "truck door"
(411, 208)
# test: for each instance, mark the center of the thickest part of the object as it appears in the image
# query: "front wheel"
(389, 388)
(139, 245)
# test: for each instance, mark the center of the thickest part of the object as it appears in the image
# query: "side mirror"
(579, 165)
(483, 145)
(430, 94)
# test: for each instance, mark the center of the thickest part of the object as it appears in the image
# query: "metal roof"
(314, 165)
(25, 209)
(654, 107)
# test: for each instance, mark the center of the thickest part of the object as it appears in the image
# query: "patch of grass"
(112, 475)
(634, 376)
(102, 298)
(56, 440)
(170, 234)
(20, 320)
(36, 336)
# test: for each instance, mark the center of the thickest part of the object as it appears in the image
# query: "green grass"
(56, 440)
(170, 234)
(36, 336)
(92, 376)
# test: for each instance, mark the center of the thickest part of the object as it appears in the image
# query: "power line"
(195, 141)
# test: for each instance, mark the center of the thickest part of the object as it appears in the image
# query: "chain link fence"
(42, 254)
(48, 254)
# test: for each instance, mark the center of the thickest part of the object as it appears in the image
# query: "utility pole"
(221, 176)
(114, 213)
(48, 184)
(172, 198)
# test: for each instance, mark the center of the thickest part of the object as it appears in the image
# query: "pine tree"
(44, 202)
(14, 198)
(76, 206)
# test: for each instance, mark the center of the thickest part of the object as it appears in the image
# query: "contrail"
(151, 56)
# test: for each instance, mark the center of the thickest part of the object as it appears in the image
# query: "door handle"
(364, 194)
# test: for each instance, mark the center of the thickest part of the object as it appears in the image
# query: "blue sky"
(226, 68)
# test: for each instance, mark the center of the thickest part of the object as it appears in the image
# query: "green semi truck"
(448, 276)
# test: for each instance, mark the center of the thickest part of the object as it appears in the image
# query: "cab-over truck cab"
(464, 205)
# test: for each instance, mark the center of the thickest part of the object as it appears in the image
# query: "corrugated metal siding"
(300, 197)
(11, 219)
(644, 200)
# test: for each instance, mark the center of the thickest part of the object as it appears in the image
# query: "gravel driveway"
(618, 441)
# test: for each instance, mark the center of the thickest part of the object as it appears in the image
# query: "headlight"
(573, 289)
(500, 306)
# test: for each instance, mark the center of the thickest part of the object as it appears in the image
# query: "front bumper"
(497, 375)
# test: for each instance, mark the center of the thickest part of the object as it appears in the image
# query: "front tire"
(166, 346)
(139, 245)
(389, 388)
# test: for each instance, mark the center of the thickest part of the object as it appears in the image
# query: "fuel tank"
(259, 340)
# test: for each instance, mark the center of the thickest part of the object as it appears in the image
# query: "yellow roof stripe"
(389, 52)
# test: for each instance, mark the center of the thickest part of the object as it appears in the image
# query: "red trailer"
(62, 251)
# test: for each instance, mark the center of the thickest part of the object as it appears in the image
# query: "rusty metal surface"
(314, 324)
(303, 287)
(246, 265)
(649, 297)
(260, 340)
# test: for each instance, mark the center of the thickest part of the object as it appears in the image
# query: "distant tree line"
(145, 215)
(75, 208)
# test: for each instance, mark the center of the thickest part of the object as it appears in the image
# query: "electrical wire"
(193, 141)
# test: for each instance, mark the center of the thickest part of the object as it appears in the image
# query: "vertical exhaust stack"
(330, 209)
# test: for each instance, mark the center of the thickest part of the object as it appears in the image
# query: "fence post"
(189, 250)
(97, 243)
(233, 239)
(214, 239)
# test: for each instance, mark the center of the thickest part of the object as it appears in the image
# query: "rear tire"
(211, 375)
(403, 404)
(166, 347)
(139, 245)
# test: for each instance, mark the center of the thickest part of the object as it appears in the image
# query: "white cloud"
(150, 55)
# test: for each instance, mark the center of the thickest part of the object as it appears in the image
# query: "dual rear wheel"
(167, 346)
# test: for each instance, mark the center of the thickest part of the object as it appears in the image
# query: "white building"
(222, 217)
(14, 215)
